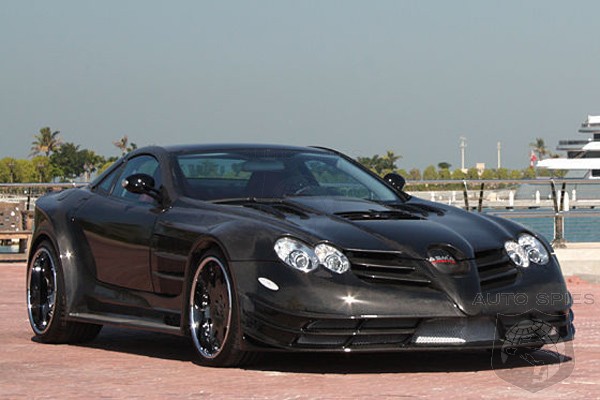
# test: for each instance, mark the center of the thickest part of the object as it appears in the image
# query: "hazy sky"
(360, 76)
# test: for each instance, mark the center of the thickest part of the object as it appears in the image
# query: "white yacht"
(583, 156)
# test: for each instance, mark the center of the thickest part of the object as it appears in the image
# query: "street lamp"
(11, 166)
(499, 147)
(87, 168)
(40, 167)
(463, 146)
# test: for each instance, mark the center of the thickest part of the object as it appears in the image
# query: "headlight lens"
(528, 250)
(296, 254)
(536, 252)
(517, 254)
(302, 257)
(331, 258)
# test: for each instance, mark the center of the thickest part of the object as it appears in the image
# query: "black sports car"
(250, 248)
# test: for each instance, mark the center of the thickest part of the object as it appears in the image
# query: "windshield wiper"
(244, 200)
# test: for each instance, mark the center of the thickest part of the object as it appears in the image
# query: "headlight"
(517, 254)
(302, 257)
(536, 252)
(332, 259)
(296, 254)
(528, 249)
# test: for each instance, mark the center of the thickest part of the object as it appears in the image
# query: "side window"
(214, 176)
(107, 183)
(139, 165)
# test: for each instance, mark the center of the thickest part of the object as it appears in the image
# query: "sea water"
(578, 227)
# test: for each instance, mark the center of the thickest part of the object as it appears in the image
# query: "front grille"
(495, 270)
(387, 267)
(361, 333)
(274, 327)
(375, 326)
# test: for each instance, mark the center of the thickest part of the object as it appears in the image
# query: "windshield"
(276, 174)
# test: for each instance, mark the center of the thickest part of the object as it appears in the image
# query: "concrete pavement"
(133, 364)
(580, 259)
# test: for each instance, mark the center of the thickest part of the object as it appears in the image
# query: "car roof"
(191, 148)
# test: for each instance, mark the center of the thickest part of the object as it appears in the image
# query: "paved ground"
(128, 364)
(581, 259)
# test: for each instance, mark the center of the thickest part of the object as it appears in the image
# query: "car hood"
(411, 227)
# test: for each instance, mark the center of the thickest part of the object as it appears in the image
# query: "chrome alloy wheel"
(210, 307)
(41, 290)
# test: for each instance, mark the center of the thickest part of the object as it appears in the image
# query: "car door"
(118, 226)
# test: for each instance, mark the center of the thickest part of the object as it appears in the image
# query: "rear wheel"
(46, 301)
(213, 314)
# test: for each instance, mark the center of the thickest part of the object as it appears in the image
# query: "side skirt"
(126, 322)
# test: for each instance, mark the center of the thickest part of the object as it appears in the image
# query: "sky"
(362, 77)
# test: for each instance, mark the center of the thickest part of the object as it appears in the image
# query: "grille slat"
(361, 333)
(387, 268)
(497, 275)
(390, 277)
(399, 268)
(491, 261)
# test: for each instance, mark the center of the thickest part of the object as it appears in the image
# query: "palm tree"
(373, 163)
(540, 148)
(389, 160)
(380, 164)
(46, 142)
(124, 145)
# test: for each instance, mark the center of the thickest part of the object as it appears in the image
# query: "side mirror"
(394, 180)
(141, 184)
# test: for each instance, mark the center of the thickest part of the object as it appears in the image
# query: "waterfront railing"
(563, 210)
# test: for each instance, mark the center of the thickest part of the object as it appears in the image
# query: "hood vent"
(279, 210)
(377, 215)
(422, 209)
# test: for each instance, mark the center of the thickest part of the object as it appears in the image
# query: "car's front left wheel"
(46, 301)
(213, 314)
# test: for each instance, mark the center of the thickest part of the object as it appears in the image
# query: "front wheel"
(46, 301)
(213, 314)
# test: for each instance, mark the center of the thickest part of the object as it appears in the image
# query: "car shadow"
(143, 343)
(164, 346)
(400, 362)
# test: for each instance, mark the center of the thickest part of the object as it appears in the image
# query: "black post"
(562, 196)
(28, 199)
(480, 205)
(559, 221)
(466, 195)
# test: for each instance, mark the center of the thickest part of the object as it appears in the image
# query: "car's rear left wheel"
(46, 301)
(213, 314)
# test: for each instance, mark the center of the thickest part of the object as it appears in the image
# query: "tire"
(214, 314)
(46, 301)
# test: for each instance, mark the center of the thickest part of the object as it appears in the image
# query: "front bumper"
(268, 328)
(324, 312)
